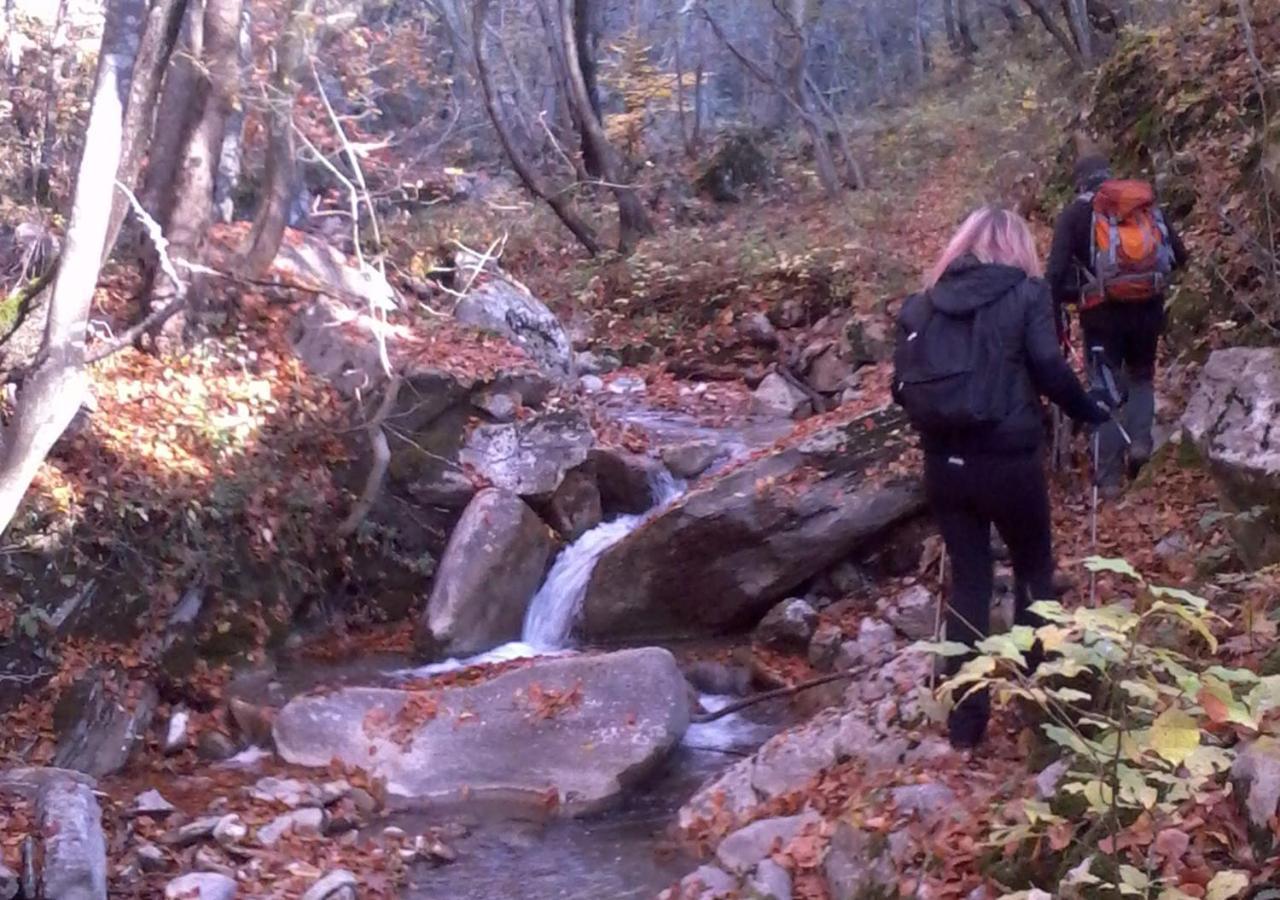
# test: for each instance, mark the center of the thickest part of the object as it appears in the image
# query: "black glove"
(1103, 405)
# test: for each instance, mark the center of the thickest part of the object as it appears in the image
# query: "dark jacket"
(1070, 255)
(1024, 317)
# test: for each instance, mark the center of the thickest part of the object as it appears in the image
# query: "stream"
(626, 852)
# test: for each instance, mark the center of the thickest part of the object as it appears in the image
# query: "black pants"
(968, 495)
(1128, 337)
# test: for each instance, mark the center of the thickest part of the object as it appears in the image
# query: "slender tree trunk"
(919, 53)
(964, 23)
(953, 33)
(175, 115)
(682, 105)
(42, 164)
(699, 106)
(555, 49)
(633, 221)
(1078, 13)
(1041, 12)
(154, 54)
(230, 161)
(55, 387)
(556, 200)
(191, 212)
(281, 175)
(584, 43)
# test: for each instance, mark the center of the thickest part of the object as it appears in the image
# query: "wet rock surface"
(577, 730)
(492, 567)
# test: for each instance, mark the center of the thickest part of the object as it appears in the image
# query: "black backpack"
(950, 372)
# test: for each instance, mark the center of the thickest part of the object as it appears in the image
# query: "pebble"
(337, 885)
(152, 805)
(201, 886)
(230, 830)
(151, 859)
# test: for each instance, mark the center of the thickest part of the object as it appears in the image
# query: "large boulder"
(569, 733)
(75, 850)
(717, 559)
(101, 721)
(1231, 418)
(530, 457)
(492, 567)
(503, 305)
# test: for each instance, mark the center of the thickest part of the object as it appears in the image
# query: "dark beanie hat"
(1090, 171)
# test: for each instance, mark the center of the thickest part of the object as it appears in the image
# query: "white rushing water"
(554, 612)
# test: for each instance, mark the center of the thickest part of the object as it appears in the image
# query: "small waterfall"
(554, 611)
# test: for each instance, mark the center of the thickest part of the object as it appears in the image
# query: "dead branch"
(738, 706)
(381, 458)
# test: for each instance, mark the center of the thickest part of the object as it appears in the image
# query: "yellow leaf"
(1226, 885)
(1175, 736)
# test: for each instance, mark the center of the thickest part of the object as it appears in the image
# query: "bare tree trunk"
(699, 106)
(919, 53)
(40, 168)
(1039, 10)
(191, 212)
(1078, 14)
(555, 48)
(56, 385)
(230, 161)
(174, 117)
(965, 26)
(584, 43)
(158, 40)
(681, 98)
(953, 33)
(281, 174)
(633, 221)
(556, 200)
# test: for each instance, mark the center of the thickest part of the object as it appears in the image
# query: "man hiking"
(1113, 252)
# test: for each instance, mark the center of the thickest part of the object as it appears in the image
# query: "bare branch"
(381, 458)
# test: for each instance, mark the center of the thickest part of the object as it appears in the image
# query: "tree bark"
(919, 53)
(953, 33)
(40, 171)
(231, 159)
(158, 40)
(585, 42)
(175, 115)
(54, 389)
(281, 174)
(1042, 13)
(524, 169)
(191, 212)
(964, 25)
(633, 221)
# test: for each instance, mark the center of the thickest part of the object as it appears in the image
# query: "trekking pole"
(1109, 384)
(937, 614)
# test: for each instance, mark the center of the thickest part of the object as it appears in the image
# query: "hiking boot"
(1111, 491)
(967, 723)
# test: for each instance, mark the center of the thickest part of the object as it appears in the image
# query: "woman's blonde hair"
(993, 235)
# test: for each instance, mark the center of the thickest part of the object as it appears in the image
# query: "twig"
(378, 467)
(742, 704)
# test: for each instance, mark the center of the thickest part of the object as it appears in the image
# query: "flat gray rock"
(572, 732)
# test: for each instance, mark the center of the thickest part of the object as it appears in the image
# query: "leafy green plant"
(1143, 728)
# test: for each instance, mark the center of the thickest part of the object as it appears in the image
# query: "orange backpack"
(1130, 250)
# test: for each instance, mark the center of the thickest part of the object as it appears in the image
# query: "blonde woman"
(976, 350)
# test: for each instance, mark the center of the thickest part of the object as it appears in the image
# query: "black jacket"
(1025, 321)
(1072, 249)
